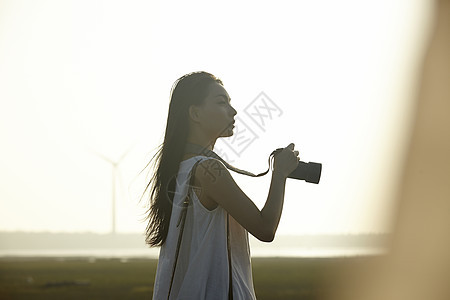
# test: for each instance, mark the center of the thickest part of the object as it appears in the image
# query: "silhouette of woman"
(203, 232)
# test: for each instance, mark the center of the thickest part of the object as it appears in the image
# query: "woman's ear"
(194, 114)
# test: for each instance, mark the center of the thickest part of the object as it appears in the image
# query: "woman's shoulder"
(205, 161)
(205, 166)
(212, 175)
(210, 166)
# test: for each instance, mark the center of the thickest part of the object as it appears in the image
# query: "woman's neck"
(201, 145)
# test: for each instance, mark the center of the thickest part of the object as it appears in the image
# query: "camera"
(309, 172)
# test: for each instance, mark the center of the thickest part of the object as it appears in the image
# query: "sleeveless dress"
(202, 266)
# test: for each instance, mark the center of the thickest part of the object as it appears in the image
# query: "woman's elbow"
(268, 239)
(266, 236)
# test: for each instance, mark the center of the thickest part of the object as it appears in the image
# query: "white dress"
(202, 267)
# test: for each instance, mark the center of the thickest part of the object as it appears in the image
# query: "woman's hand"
(286, 161)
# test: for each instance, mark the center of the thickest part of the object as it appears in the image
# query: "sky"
(82, 80)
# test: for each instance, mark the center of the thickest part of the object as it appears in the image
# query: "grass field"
(274, 278)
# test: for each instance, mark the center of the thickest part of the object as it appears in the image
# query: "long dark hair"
(190, 89)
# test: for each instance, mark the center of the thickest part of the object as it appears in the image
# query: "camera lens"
(310, 172)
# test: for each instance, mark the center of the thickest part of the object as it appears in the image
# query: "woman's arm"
(217, 187)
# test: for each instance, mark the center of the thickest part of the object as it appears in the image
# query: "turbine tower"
(115, 169)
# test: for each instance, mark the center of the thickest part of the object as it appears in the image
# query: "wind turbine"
(115, 169)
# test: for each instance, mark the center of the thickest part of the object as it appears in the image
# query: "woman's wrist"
(279, 176)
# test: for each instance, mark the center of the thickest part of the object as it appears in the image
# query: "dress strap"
(182, 221)
(230, 270)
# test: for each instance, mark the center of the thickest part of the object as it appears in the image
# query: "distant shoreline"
(25, 259)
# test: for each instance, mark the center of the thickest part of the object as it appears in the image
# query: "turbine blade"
(125, 153)
(102, 156)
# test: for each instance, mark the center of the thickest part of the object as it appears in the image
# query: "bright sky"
(78, 77)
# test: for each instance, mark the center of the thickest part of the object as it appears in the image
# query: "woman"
(204, 243)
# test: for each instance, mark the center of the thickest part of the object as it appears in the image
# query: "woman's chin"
(227, 133)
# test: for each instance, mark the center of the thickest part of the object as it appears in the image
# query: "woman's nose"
(234, 112)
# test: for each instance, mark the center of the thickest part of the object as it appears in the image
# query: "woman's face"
(216, 115)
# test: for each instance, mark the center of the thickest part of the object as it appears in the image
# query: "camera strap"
(197, 149)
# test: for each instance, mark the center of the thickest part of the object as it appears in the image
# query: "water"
(83, 253)
(317, 251)
(154, 252)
